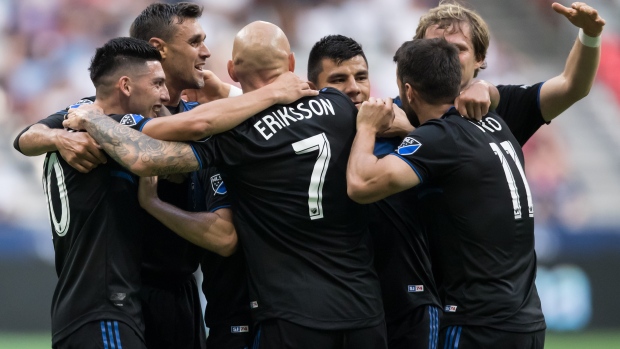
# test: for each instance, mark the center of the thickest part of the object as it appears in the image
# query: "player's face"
(350, 77)
(149, 90)
(463, 42)
(186, 56)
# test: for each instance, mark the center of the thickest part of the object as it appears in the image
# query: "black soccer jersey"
(475, 200)
(519, 106)
(168, 259)
(225, 283)
(306, 243)
(95, 221)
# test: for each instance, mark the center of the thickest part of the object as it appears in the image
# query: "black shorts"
(416, 330)
(104, 334)
(238, 336)
(173, 317)
(282, 334)
(480, 337)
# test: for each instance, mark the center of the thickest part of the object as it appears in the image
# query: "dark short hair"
(158, 20)
(431, 67)
(120, 52)
(338, 48)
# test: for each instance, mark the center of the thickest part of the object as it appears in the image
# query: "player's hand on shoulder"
(401, 125)
(473, 102)
(76, 118)
(288, 88)
(79, 150)
(377, 114)
(213, 89)
(147, 190)
(583, 16)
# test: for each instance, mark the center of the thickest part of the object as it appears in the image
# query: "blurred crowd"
(48, 45)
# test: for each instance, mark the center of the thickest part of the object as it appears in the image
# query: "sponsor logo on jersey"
(415, 288)
(130, 119)
(408, 146)
(118, 298)
(218, 185)
(239, 329)
(450, 308)
(253, 304)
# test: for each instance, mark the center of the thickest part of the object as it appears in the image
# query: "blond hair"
(449, 15)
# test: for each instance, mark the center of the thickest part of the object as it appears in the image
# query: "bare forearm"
(210, 118)
(39, 139)
(575, 82)
(361, 165)
(139, 153)
(205, 229)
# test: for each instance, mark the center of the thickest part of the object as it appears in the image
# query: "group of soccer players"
(444, 255)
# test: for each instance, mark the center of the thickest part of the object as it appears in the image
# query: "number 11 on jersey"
(315, 191)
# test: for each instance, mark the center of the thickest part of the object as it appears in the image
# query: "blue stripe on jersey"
(219, 207)
(111, 335)
(118, 336)
(186, 106)
(458, 337)
(256, 339)
(144, 123)
(197, 157)
(123, 175)
(434, 327)
(103, 334)
(410, 165)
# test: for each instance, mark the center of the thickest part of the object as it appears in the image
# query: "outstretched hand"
(289, 87)
(582, 16)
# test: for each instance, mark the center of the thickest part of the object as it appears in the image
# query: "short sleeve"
(519, 106)
(430, 150)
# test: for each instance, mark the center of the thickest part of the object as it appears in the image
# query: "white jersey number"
(510, 178)
(51, 166)
(315, 191)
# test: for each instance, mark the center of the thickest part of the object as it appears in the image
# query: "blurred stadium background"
(573, 165)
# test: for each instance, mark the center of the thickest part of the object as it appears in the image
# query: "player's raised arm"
(138, 152)
(224, 114)
(369, 178)
(213, 231)
(476, 99)
(574, 83)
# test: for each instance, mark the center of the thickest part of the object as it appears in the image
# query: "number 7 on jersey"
(315, 191)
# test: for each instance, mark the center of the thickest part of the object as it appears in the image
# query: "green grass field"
(585, 340)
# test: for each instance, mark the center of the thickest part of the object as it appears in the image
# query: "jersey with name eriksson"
(306, 243)
(478, 205)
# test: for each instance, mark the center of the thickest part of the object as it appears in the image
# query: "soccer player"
(524, 107)
(311, 281)
(96, 217)
(402, 259)
(473, 196)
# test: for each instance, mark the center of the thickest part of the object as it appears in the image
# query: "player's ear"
(291, 62)
(124, 85)
(410, 93)
(231, 71)
(160, 45)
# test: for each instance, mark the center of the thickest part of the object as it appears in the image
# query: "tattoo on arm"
(133, 149)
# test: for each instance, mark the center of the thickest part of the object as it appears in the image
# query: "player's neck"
(110, 105)
(429, 111)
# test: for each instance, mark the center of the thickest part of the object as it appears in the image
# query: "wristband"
(589, 41)
(234, 91)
